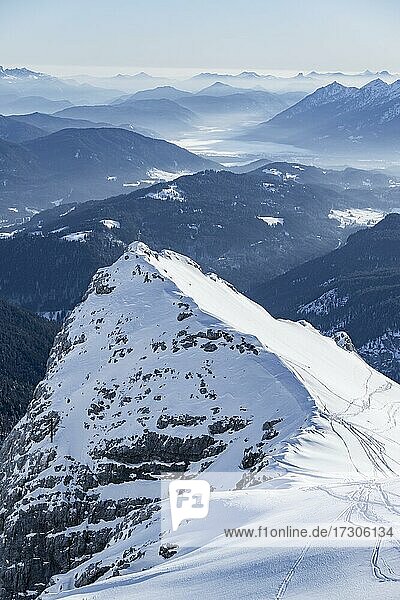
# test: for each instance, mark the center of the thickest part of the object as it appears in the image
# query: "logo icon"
(189, 499)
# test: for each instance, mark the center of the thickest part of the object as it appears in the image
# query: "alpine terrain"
(336, 118)
(162, 368)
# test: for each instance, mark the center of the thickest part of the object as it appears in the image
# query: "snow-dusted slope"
(164, 368)
(340, 118)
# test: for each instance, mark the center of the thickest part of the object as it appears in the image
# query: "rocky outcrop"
(344, 341)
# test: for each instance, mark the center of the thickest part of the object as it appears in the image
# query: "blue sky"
(183, 35)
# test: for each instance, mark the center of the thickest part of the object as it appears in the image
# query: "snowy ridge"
(324, 95)
(140, 381)
(164, 368)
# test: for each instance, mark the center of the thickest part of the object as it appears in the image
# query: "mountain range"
(171, 113)
(165, 117)
(122, 81)
(12, 104)
(336, 118)
(24, 83)
(246, 227)
(24, 90)
(25, 127)
(82, 164)
(356, 122)
(302, 81)
(50, 123)
(249, 104)
(161, 370)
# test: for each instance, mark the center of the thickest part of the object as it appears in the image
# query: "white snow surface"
(79, 236)
(356, 216)
(160, 175)
(8, 234)
(336, 456)
(110, 223)
(271, 221)
(284, 176)
(169, 193)
(68, 211)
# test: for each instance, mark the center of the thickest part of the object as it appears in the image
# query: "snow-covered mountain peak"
(375, 84)
(324, 95)
(140, 381)
(333, 88)
(163, 368)
(20, 73)
(376, 89)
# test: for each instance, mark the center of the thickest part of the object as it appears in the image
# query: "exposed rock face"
(140, 382)
(168, 550)
(343, 340)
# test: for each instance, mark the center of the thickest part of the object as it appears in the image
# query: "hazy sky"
(285, 35)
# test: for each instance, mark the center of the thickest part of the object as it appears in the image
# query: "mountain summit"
(162, 368)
